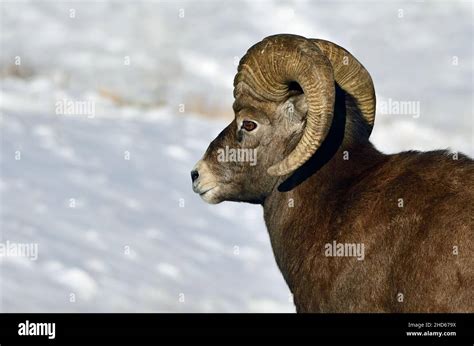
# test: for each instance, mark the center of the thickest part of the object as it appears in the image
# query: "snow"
(107, 195)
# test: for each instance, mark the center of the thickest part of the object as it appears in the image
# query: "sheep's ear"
(296, 107)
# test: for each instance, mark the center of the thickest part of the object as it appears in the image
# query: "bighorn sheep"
(307, 108)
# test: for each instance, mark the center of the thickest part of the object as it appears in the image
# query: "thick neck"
(299, 211)
(324, 178)
(302, 211)
(304, 218)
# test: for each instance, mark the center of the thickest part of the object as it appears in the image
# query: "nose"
(194, 175)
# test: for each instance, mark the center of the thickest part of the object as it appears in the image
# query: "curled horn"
(269, 67)
(352, 77)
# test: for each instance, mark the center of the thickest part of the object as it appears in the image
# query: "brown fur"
(408, 249)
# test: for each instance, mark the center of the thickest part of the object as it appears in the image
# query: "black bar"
(262, 329)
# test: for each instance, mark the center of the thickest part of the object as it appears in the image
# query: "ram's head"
(284, 103)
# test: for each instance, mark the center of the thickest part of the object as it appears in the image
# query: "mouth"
(202, 189)
(206, 191)
(206, 194)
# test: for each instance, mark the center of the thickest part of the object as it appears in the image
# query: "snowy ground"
(108, 198)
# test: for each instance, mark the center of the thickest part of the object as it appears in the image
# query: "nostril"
(194, 175)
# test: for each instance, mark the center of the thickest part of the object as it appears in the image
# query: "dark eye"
(248, 125)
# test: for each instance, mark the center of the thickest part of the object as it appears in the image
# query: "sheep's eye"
(248, 125)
